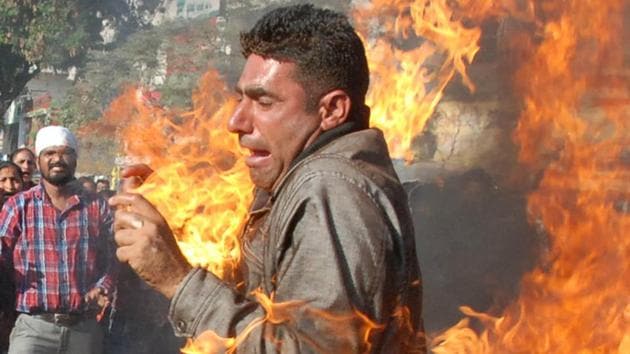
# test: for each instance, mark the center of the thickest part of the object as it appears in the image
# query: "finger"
(131, 202)
(91, 295)
(139, 170)
(127, 220)
(125, 238)
(124, 199)
(130, 183)
(137, 204)
(102, 301)
(134, 202)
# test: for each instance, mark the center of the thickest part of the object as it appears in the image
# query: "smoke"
(473, 244)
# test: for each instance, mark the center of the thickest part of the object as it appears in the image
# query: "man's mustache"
(58, 164)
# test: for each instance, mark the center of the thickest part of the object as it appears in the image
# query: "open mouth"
(58, 169)
(257, 158)
(259, 153)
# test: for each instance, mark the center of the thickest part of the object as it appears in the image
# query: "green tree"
(33, 34)
(40, 33)
(168, 59)
(36, 33)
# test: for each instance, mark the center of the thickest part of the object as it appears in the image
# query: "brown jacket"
(334, 239)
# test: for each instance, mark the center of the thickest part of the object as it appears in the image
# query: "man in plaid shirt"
(57, 238)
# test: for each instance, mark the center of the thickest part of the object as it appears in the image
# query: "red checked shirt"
(57, 256)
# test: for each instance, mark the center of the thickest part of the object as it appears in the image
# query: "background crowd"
(90, 303)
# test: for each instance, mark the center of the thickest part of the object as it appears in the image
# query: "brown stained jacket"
(334, 239)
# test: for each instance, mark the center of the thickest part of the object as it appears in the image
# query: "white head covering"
(54, 135)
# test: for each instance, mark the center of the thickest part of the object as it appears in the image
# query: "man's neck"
(59, 194)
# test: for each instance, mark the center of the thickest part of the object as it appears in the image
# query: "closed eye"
(265, 101)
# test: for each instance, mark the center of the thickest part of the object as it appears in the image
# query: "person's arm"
(335, 262)
(334, 265)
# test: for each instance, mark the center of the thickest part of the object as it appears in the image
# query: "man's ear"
(334, 109)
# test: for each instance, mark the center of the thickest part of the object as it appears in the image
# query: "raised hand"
(146, 242)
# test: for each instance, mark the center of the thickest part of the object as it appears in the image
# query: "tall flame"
(414, 49)
(200, 184)
(578, 301)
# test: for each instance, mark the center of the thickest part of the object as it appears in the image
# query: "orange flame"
(578, 301)
(194, 149)
(289, 313)
(414, 49)
(200, 184)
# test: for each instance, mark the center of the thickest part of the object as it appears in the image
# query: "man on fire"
(329, 227)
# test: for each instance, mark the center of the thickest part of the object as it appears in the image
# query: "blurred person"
(102, 185)
(103, 189)
(10, 180)
(25, 158)
(88, 184)
(57, 239)
(330, 224)
(107, 193)
(7, 306)
(10, 184)
(139, 319)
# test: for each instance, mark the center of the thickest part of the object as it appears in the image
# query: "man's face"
(271, 118)
(10, 180)
(26, 161)
(57, 164)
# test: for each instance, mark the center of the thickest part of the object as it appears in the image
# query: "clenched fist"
(146, 242)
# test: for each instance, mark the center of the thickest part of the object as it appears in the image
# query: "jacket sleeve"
(333, 252)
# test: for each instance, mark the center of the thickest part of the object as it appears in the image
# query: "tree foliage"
(177, 53)
(56, 33)
(31, 31)
(168, 59)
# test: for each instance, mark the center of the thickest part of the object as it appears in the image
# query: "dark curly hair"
(327, 51)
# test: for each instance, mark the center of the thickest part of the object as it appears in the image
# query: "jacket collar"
(366, 145)
(325, 138)
(263, 199)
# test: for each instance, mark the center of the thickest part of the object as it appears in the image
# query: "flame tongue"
(578, 301)
(200, 184)
(404, 89)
